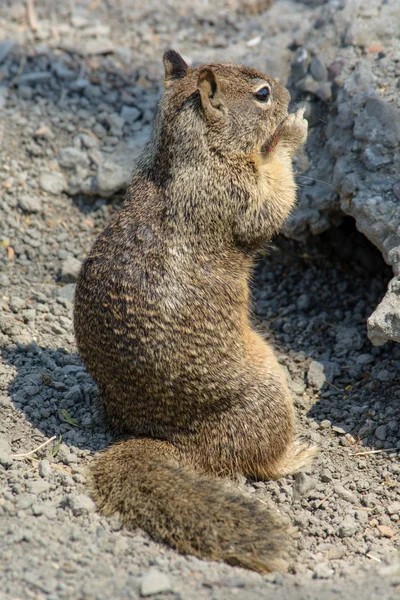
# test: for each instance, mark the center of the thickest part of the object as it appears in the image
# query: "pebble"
(365, 359)
(65, 294)
(393, 508)
(98, 46)
(38, 487)
(302, 485)
(30, 203)
(373, 158)
(322, 571)
(380, 432)
(4, 280)
(385, 531)
(318, 69)
(326, 476)
(130, 113)
(316, 375)
(71, 157)
(5, 459)
(53, 183)
(303, 302)
(33, 78)
(80, 504)
(5, 48)
(16, 304)
(324, 91)
(348, 527)
(396, 188)
(44, 469)
(300, 63)
(110, 178)
(70, 270)
(155, 582)
(345, 494)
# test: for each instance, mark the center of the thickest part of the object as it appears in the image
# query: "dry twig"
(32, 452)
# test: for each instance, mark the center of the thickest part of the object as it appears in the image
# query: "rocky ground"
(79, 83)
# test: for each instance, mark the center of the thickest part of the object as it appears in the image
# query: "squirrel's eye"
(263, 94)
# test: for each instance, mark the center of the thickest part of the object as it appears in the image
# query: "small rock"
(98, 46)
(5, 48)
(393, 508)
(37, 509)
(29, 203)
(322, 571)
(4, 445)
(73, 394)
(3, 96)
(347, 339)
(387, 114)
(32, 78)
(396, 186)
(44, 468)
(70, 270)
(318, 70)
(53, 183)
(373, 159)
(366, 429)
(111, 178)
(384, 375)
(38, 486)
(324, 91)
(79, 504)
(326, 476)
(4, 280)
(71, 158)
(89, 141)
(25, 92)
(348, 527)
(345, 494)
(121, 546)
(365, 359)
(385, 531)
(66, 293)
(307, 84)
(303, 302)
(130, 114)
(5, 460)
(16, 304)
(316, 376)
(380, 433)
(299, 64)
(302, 485)
(154, 582)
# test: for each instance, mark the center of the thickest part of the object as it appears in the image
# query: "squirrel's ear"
(210, 95)
(174, 66)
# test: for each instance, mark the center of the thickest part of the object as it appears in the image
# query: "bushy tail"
(141, 480)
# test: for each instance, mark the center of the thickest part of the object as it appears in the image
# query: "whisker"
(319, 180)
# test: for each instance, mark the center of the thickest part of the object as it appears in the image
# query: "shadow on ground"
(312, 303)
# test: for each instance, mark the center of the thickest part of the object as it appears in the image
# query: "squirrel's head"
(236, 109)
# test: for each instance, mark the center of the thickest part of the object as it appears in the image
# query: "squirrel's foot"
(292, 132)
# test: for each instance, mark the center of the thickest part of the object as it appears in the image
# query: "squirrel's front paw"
(292, 133)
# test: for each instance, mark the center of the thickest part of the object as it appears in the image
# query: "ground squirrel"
(162, 319)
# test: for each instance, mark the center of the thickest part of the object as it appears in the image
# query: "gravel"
(77, 97)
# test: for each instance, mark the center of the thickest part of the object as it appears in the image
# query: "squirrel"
(162, 320)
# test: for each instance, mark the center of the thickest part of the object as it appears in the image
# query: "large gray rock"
(353, 146)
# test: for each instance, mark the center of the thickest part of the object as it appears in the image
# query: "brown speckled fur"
(162, 320)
